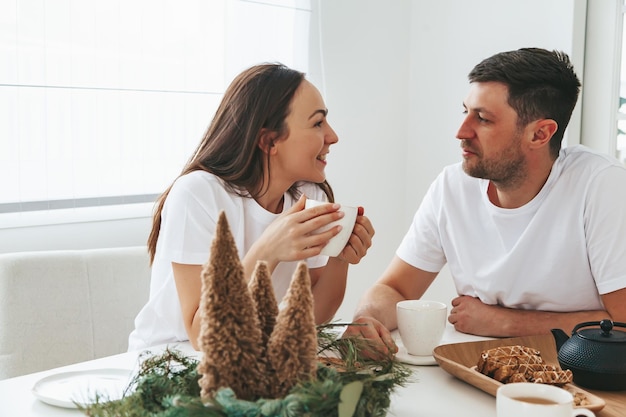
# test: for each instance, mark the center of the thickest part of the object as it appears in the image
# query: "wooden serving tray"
(460, 359)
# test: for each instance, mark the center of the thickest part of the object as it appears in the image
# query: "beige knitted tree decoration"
(230, 334)
(292, 348)
(249, 346)
(264, 301)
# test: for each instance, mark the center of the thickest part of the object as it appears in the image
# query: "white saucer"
(67, 389)
(404, 357)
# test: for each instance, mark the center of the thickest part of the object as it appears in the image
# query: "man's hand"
(376, 335)
(472, 316)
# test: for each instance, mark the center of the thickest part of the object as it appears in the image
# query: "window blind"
(103, 101)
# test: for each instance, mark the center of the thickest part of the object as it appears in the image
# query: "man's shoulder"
(581, 154)
(454, 182)
(454, 169)
(454, 173)
(583, 162)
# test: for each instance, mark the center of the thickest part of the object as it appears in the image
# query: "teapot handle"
(584, 324)
(606, 325)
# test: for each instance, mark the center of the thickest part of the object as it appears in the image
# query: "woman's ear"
(266, 141)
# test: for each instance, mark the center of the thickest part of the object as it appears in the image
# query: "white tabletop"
(432, 392)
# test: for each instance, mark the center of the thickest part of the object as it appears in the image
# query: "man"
(534, 235)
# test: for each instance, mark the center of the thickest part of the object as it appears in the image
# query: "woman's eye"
(319, 124)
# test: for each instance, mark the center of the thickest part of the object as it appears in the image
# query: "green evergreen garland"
(166, 385)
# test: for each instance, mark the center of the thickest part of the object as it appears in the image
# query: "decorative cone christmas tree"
(230, 335)
(264, 301)
(271, 350)
(292, 348)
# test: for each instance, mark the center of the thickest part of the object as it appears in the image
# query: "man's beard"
(506, 169)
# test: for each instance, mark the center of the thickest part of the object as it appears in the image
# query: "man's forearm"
(470, 315)
(379, 302)
(526, 323)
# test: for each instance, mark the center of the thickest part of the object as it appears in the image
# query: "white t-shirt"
(188, 222)
(558, 252)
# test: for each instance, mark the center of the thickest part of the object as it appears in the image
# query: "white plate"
(68, 388)
(404, 357)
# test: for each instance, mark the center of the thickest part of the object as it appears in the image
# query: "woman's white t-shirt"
(188, 222)
(558, 252)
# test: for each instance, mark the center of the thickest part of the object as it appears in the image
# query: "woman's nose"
(331, 136)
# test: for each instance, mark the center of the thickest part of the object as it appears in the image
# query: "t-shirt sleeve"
(421, 245)
(189, 220)
(605, 229)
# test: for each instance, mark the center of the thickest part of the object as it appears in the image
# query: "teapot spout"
(560, 337)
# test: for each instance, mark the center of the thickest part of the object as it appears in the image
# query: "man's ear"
(266, 141)
(543, 131)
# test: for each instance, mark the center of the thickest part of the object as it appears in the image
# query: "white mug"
(336, 244)
(421, 324)
(523, 399)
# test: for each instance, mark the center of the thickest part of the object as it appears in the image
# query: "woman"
(263, 154)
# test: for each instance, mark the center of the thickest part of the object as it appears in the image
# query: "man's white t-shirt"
(188, 222)
(559, 252)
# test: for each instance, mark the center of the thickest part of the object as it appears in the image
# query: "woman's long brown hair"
(258, 98)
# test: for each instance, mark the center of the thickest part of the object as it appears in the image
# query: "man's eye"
(482, 119)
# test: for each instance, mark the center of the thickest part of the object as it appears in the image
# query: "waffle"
(520, 364)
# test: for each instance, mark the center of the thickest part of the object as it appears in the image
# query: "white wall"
(394, 77)
(366, 56)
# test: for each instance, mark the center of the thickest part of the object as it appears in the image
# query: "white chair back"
(67, 306)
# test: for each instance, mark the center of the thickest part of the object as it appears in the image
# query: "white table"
(432, 392)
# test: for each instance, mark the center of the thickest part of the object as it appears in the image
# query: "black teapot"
(596, 355)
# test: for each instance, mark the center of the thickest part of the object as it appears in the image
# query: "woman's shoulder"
(198, 182)
(198, 178)
(201, 186)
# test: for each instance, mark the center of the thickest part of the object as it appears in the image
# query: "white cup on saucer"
(421, 324)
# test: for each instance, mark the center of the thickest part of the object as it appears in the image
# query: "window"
(103, 101)
(620, 146)
(604, 78)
